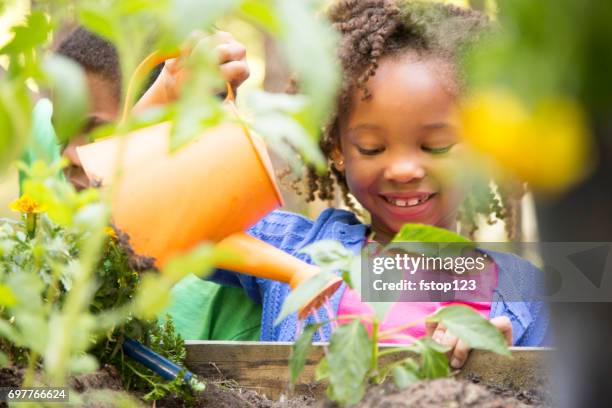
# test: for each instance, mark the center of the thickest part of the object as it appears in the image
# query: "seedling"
(353, 358)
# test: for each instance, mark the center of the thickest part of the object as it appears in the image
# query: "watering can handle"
(143, 69)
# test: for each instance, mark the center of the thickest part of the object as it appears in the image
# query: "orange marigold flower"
(110, 231)
(27, 205)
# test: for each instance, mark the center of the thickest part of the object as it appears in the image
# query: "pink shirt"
(402, 313)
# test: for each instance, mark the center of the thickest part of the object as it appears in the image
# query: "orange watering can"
(212, 189)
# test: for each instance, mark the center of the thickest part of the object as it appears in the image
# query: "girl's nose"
(404, 171)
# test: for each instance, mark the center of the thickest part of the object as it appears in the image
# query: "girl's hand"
(167, 87)
(459, 350)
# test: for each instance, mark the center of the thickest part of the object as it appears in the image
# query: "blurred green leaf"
(322, 369)
(4, 361)
(381, 309)
(349, 357)
(192, 15)
(427, 233)
(261, 13)
(300, 350)
(329, 254)
(152, 297)
(301, 295)
(32, 34)
(15, 120)
(100, 22)
(85, 363)
(199, 261)
(71, 98)
(7, 297)
(306, 37)
(465, 323)
(404, 375)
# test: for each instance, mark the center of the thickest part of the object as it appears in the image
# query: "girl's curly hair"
(374, 29)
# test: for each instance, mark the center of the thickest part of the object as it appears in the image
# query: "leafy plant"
(41, 273)
(354, 357)
(69, 287)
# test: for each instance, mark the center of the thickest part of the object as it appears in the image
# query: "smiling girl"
(394, 145)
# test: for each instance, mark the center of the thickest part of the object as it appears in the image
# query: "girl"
(392, 144)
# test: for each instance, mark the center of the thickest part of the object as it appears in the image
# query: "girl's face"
(400, 148)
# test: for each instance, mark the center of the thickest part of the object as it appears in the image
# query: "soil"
(446, 392)
(443, 393)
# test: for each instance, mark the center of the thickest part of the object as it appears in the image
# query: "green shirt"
(201, 310)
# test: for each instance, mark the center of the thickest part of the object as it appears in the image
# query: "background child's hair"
(98, 56)
(94, 54)
(375, 29)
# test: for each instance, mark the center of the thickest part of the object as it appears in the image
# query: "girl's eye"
(437, 150)
(370, 152)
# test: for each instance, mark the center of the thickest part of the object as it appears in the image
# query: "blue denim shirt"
(292, 232)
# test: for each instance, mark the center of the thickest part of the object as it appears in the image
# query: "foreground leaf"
(405, 375)
(322, 370)
(465, 323)
(303, 293)
(299, 352)
(350, 354)
(329, 254)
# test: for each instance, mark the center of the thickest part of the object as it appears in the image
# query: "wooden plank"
(263, 366)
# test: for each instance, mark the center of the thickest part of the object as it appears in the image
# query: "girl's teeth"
(408, 203)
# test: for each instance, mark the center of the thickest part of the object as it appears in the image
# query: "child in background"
(391, 144)
(202, 310)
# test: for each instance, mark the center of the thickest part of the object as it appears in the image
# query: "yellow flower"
(548, 146)
(7, 298)
(27, 205)
(110, 231)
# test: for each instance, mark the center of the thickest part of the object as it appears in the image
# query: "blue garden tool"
(158, 364)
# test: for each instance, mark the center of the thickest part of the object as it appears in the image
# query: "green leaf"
(430, 241)
(29, 36)
(198, 15)
(301, 295)
(329, 254)
(85, 363)
(15, 120)
(465, 323)
(71, 98)
(434, 364)
(380, 309)
(199, 261)
(4, 361)
(427, 342)
(404, 375)
(427, 233)
(349, 358)
(99, 22)
(322, 369)
(306, 37)
(152, 297)
(261, 13)
(299, 352)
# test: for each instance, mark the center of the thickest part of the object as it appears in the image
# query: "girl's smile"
(399, 148)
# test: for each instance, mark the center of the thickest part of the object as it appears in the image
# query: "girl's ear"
(337, 159)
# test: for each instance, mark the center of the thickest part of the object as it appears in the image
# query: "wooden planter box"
(263, 366)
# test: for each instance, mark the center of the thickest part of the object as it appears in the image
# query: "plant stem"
(31, 224)
(392, 350)
(398, 329)
(374, 363)
(28, 377)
